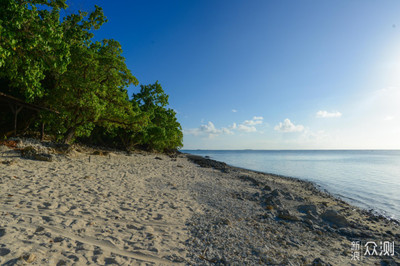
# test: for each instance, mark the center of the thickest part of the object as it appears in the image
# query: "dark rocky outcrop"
(32, 154)
(333, 218)
(208, 163)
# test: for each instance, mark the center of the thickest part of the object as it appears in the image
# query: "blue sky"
(268, 74)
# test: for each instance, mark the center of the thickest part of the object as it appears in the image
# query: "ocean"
(369, 179)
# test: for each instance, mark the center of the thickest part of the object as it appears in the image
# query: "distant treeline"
(52, 61)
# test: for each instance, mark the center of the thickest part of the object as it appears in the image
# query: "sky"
(266, 74)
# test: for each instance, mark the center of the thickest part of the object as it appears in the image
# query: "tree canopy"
(54, 61)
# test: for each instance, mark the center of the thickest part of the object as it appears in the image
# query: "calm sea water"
(369, 179)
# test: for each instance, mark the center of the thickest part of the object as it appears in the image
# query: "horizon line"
(290, 149)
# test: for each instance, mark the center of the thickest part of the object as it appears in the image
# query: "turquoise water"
(369, 179)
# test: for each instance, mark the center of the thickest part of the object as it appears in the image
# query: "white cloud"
(389, 117)
(257, 120)
(234, 110)
(208, 129)
(252, 122)
(288, 126)
(326, 114)
(245, 128)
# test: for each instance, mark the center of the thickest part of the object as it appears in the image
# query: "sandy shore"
(146, 209)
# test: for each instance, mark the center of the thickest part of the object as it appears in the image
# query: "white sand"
(117, 208)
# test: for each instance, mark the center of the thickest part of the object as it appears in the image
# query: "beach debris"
(89, 177)
(332, 217)
(28, 257)
(31, 153)
(158, 158)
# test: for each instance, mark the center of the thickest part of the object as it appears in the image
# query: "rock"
(28, 152)
(43, 157)
(29, 257)
(224, 221)
(11, 162)
(269, 207)
(319, 262)
(288, 196)
(271, 201)
(267, 188)
(62, 148)
(390, 233)
(388, 262)
(250, 179)
(208, 163)
(4, 251)
(309, 208)
(308, 222)
(158, 158)
(31, 153)
(286, 215)
(332, 217)
(353, 233)
(275, 193)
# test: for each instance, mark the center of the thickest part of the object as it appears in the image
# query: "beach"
(93, 206)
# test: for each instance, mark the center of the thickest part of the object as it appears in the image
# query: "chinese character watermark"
(370, 248)
(355, 248)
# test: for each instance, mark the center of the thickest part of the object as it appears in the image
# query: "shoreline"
(104, 207)
(351, 201)
(319, 188)
(287, 216)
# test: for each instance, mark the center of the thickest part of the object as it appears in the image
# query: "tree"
(163, 132)
(93, 90)
(31, 44)
(54, 62)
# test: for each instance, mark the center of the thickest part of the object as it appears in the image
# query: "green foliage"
(31, 43)
(53, 61)
(163, 131)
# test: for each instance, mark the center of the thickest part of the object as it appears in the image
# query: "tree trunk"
(69, 136)
(42, 132)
